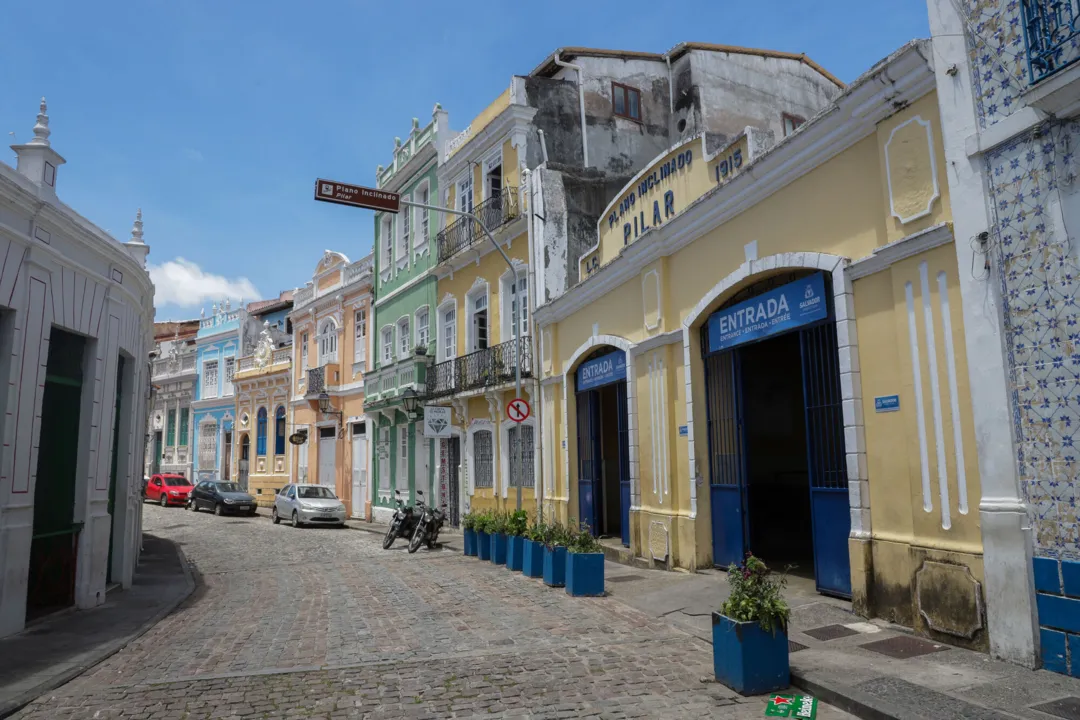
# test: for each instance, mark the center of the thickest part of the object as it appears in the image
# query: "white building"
(172, 433)
(76, 310)
(1008, 83)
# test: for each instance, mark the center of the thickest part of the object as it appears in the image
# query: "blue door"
(624, 463)
(727, 460)
(825, 458)
(588, 426)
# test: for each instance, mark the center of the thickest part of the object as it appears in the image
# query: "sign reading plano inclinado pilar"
(665, 188)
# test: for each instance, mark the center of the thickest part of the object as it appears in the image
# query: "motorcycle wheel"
(417, 538)
(387, 541)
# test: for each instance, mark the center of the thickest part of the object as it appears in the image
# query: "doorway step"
(614, 551)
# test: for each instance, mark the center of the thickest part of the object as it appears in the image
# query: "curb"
(850, 700)
(106, 651)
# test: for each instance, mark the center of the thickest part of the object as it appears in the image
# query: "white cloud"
(193, 154)
(183, 283)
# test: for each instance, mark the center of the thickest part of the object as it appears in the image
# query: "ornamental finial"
(41, 128)
(137, 228)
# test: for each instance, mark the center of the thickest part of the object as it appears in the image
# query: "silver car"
(308, 504)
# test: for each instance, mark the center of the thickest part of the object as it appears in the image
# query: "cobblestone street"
(323, 623)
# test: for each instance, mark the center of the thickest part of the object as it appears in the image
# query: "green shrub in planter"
(750, 645)
(556, 540)
(516, 525)
(497, 532)
(584, 564)
(483, 539)
(532, 561)
(468, 524)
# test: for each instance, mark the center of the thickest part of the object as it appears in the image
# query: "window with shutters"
(170, 432)
(483, 460)
(626, 101)
(260, 433)
(422, 197)
(183, 440)
(465, 193)
(230, 368)
(403, 458)
(406, 230)
(404, 336)
(521, 461)
(279, 431)
(360, 335)
(448, 348)
(208, 445)
(382, 449)
(327, 341)
(422, 329)
(210, 379)
(388, 345)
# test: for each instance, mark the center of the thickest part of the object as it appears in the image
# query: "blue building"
(219, 343)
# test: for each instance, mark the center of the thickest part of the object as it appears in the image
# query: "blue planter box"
(748, 659)
(498, 549)
(470, 542)
(515, 552)
(483, 545)
(532, 559)
(585, 574)
(555, 566)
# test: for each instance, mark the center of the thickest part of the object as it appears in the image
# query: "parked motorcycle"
(428, 527)
(403, 524)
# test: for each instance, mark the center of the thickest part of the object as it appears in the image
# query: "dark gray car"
(222, 498)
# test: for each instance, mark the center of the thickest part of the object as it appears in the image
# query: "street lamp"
(327, 409)
(411, 400)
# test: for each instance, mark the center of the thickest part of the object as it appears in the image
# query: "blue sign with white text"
(601, 371)
(787, 307)
(887, 403)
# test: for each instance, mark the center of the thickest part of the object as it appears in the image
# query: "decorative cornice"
(888, 255)
(501, 125)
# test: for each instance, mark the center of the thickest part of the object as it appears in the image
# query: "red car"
(168, 489)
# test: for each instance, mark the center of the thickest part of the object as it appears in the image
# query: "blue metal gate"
(727, 459)
(588, 427)
(624, 463)
(826, 460)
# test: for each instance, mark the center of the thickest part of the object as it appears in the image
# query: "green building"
(405, 252)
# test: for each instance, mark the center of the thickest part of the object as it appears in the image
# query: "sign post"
(332, 191)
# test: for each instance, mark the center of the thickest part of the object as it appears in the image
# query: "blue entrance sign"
(600, 371)
(781, 309)
(887, 403)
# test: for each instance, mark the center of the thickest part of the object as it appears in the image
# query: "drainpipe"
(543, 146)
(581, 104)
(670, 93)
(538, 397)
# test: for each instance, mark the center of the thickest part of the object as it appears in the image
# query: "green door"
(54, 544)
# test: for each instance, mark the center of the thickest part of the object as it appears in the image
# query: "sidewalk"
(872, 669)
(54, 650)
(449, 537)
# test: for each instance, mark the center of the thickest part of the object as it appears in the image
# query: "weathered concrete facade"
(173, 374)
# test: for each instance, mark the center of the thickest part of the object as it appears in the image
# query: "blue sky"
(216, 116)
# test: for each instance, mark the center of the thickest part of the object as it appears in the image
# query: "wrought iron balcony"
(463, 233)
(1052, 31)
(481, 369)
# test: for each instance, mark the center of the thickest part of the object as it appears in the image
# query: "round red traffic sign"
(518, 409)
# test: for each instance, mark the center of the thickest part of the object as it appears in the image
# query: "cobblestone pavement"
(323, 623)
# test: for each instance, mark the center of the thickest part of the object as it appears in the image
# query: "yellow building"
(476, 355)
(766, 352)
(260, 461)
(331, 353)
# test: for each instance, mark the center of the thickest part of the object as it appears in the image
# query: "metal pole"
(514, 296)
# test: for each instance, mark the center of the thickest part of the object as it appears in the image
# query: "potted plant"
(584, 564)
(750, 644)
(516, 525)
(483, 540)
(497, 531)
(532, 551)
(420, 350)
(555, 555)
(468, 524)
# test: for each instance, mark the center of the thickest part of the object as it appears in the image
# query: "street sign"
(887, 403)
(298, 438)
(518, 410)
(356, 195)
(436, 421)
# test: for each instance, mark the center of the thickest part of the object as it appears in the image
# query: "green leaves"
(582, 541)
(517, 523)
(757, 595)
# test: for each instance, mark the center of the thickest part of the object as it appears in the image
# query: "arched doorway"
(603, 443)
(777, 466)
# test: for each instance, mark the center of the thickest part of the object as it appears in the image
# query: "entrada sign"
(601, 371)
(356, 196)
(789, 306)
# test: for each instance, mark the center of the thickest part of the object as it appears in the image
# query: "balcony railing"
(463, 233)
(168, 366)
(481, 369)
(1052, 34)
